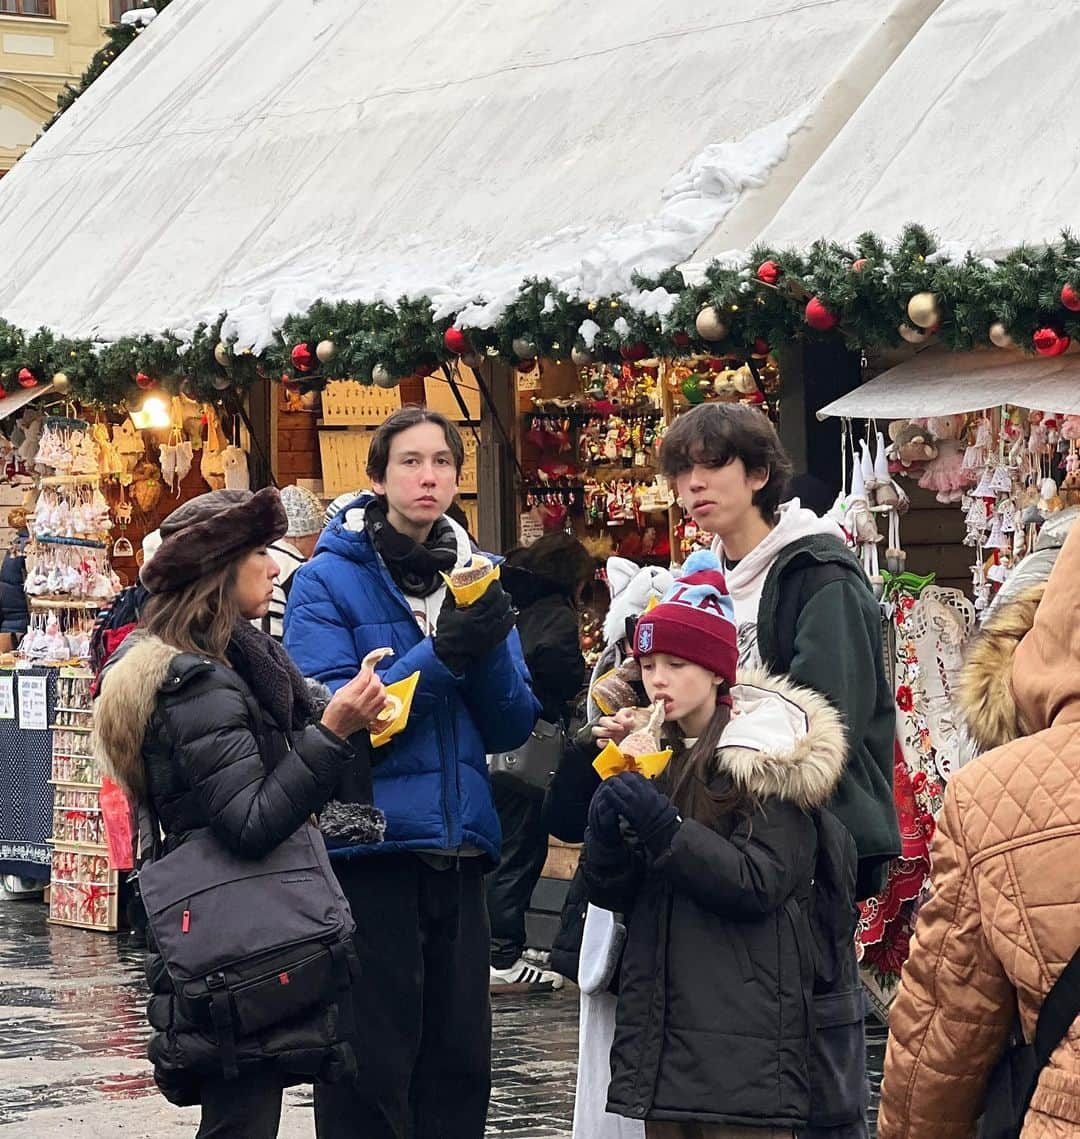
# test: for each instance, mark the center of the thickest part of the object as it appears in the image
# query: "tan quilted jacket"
(1004, 918)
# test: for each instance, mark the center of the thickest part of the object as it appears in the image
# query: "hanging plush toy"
(946, 474)
(912, 446)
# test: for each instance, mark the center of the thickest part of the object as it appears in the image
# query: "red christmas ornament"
(768, 272)
(635, 351)
(303, 359)
(456, 342)
(144, 381)
(760, 347)
(1050, 342)
(3, 395)
(819, 317)
(681, 340)
(27, 379)
(1070, 298)
(859, 265)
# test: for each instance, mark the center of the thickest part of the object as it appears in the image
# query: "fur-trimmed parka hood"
(127, 695)
(782, 741)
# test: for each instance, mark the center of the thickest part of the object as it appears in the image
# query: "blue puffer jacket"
(431, 781)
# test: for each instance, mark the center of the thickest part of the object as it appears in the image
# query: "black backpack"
(839, 1091)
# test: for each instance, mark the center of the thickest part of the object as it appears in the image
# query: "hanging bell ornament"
(222, 354)
(581, 357)
(523, 348)
(61, 383)
(923, 310)
(381, 376)
(709, 324)
(325, 351)
(999, 336)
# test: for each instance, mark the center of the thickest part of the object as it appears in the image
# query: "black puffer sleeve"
(205, 712)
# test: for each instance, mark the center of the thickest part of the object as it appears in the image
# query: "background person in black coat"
(204, 717)
(545, 582)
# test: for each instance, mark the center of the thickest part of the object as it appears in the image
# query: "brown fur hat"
(209, 532)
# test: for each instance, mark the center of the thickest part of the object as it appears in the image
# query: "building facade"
(44, 45)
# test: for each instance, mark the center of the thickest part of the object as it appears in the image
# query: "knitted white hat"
(303, 509)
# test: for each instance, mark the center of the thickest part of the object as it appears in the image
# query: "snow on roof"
(963, 134)
(254, 156)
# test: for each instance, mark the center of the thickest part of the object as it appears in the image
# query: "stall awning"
(20, 398)
(946, 383)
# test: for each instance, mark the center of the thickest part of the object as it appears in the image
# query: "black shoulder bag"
(1016, 1074)
(249, 942)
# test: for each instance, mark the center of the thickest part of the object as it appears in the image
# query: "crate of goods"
(348, 402)
(72, 759)
(77, 818)
(344, 460)
(439, 395)
(83, 891)
(467, 482)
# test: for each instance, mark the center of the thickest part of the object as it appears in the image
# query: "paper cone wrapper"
(611, 762)
(403, 690)
(466, 595)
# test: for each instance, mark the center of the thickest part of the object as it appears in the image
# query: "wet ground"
(72, 1040)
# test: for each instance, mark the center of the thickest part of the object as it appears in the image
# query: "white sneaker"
(524, 976)
(541, 958)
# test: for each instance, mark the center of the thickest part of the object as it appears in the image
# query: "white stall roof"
(948, 383)
(255, 155)
(962, 134)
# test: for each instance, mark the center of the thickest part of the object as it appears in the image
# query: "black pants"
(249, 1107)
(422, 1005)
(510, 887)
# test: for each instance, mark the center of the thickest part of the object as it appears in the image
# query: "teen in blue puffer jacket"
(422, 928)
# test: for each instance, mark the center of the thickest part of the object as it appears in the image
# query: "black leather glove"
(604, 816)
(647, 810)
(465, 636)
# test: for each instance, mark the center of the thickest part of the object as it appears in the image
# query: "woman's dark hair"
(715, 434)
(410, 416)
(560, 558)
(696, 790)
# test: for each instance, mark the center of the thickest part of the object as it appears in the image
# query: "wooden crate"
(348, 402)
(344, 460)
(83, 891)
(438, 395)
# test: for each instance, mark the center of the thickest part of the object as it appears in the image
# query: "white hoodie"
(746, 580)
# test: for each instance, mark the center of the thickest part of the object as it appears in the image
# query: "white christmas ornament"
(221, 354)
(709, 325)
(381, 375)
(325, 351)
(999, 337)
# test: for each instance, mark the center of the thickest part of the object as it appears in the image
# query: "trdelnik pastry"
(399, 696)
(468, 583)
(639, 751)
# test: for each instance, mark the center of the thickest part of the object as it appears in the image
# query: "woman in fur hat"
(205, 718)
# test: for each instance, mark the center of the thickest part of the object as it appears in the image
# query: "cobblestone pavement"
(73, 1035)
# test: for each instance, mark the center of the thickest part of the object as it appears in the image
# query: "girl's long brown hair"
(200, 617)
(696, 789)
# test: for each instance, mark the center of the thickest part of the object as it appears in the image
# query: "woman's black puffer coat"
(191, 732)
(715, 988)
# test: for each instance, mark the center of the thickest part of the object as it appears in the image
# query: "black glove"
(604, 816)
(465, 636)
(647, 810)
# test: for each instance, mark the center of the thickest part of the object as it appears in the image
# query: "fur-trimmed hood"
(782, 741)
(127, 695)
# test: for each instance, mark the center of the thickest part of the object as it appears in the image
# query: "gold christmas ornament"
(923, 310)
(221, 354)
(709, 325)
(999, 337)
(60, 382)
(913, 335)
(325, 350)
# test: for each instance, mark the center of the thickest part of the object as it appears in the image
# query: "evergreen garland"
(867, 287)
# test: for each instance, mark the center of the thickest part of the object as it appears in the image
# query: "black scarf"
(415, 568)
(273, 678)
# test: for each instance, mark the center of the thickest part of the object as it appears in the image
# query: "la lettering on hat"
(695, 621)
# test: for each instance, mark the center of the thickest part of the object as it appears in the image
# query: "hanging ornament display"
(222, 354)
(303, 359)
(26, 378)
(709, 324)
(634, 352)
(61, 383)
(581, 357)
(913, 335)
(768, 272)
(456, 342)
(999, 336)
(923, 310)
(380, 374)
(325, 351)
(1070, 298)
(859, 264)
(144, 381)
(820, 317)
(1050, 342)
(523, 348)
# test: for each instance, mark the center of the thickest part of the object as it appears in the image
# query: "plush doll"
(1070, 427)
(946, 473)
(912, 445)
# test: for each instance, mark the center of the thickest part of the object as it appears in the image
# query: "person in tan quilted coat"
(1004, 916)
